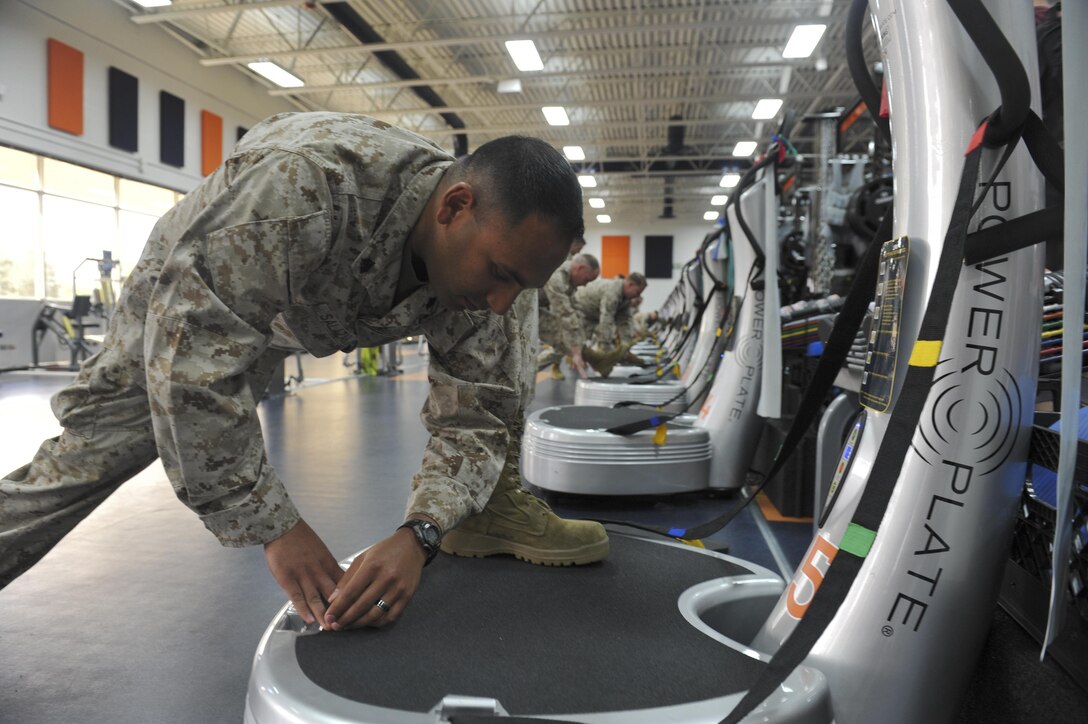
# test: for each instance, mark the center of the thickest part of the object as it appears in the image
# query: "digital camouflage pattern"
(560, 323)
(602, 305)
(297, 240)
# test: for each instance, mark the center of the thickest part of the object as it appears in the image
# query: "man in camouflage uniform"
(323, 232)
(606, 313)
(560, 324)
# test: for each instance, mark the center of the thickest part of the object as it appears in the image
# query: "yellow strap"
(660, 434)
(925, 353)
(694, 542)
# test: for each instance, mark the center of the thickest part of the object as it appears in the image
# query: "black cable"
(859, 69)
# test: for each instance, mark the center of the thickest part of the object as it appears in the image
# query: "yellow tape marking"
(925, 353)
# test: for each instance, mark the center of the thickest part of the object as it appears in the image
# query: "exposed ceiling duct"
(351, 21)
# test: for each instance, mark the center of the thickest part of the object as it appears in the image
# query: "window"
(19, 257)
(57, 216)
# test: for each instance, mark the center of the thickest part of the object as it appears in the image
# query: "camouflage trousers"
(550, 335)
(107, 439)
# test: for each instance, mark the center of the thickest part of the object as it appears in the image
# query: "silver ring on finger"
(382, 605)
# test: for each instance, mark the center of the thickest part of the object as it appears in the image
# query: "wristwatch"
(428, 536)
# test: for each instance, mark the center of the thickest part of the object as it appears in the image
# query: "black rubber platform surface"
(589, 417)
(605, 637)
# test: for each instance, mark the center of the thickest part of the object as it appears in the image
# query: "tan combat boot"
(520, 524)
(598, 360)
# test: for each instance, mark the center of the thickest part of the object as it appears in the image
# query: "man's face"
(582, 274)
(479, 261)
(631, 289)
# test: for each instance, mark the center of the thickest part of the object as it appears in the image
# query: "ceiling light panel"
(803, 41)
(730, 180)
(588, 182)
(574, 153)
(596, 203)
(524, 54)
(604, 219)
(276, 74)
(744, 149)
(767, 109)
(556, 115)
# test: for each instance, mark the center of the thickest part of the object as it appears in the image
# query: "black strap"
(863, 528)
(1014, 235)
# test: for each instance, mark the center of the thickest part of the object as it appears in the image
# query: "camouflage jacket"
(601, 303)
(557, 303)
(303, 231)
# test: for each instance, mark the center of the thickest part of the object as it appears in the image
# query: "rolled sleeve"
(481, 375)
(561, 307)
(606, 326)
(207, 334)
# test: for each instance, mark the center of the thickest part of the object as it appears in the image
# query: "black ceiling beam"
(351, 21)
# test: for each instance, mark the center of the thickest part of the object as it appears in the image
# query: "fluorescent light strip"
(574, 153)
(604, 219)
(730, 180)
(803, 41)
(744, 148)
(556, 115)
(524, 55)
(152, 3)
(767, 109)
(719, 200)
(276, 74)
(588, 182)
(596, 203)
(710, 216)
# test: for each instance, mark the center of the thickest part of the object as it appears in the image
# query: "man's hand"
(577, 362)
(388, 571)
(305, 569)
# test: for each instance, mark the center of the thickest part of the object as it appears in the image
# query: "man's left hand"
(388, 571)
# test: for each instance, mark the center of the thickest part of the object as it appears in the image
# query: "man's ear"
(456, 199)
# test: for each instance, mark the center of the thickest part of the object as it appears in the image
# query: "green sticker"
(857, 540)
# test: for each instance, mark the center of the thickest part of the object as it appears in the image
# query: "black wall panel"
(658, 257)
(124, 122)
(171, 129)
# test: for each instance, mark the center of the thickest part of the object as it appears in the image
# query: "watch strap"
(418, 528)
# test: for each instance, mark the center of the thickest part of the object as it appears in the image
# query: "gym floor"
(140, 616)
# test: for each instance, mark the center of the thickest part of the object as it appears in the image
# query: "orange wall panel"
(615, 256)
(211, 142)
(65, 87)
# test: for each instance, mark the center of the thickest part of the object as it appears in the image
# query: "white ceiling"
(622, 69)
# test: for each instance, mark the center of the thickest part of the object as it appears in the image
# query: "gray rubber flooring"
(140, 616)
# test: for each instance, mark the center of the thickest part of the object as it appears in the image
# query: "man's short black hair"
(523, 176)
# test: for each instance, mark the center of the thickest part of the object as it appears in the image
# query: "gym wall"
(105, 36)
(103, 32)
(686, 239)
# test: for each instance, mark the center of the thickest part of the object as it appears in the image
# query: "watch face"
(429, 534)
